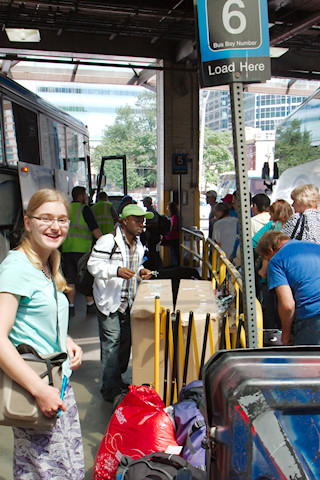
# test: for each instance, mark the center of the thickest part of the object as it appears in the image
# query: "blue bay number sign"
(179, 163)
(233, 41)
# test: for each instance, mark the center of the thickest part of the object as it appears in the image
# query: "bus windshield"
(227, 184)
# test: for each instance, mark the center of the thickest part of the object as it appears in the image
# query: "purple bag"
(190, 424)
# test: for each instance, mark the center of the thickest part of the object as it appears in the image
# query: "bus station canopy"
(153, 29)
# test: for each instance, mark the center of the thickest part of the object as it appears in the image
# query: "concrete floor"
(94, 412)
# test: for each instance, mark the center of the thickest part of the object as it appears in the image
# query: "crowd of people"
(286, 243)
(36, 299)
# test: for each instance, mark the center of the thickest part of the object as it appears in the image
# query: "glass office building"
(263, 111)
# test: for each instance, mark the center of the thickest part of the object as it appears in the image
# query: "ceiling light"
(23, 35)
(276, 52)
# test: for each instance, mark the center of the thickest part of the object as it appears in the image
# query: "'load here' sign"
(233, 41)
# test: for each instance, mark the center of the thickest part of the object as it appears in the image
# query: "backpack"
(164, 225)
(158, 466)
(85, 279)
(190, 424)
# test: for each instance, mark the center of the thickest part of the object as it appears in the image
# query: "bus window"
(227, 184)
(10, 134)
(82, 172)
(74, 140)
(81, 146)
(49, 142)
(21, 134)
(256, 185)
(27, 134)
(61, 133)
(72, 146)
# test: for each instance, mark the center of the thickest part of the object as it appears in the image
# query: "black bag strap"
(114, 248)
(301, 220)
(161, 457)
(27, 352)
(56, 297)
(197, 425)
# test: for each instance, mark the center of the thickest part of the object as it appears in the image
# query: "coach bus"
(298, 137)
(40, 146)
(227, 184)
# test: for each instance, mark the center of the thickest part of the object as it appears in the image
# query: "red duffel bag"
(138, 426)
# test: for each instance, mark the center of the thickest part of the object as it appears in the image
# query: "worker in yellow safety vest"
(105, 214)
(83, 227)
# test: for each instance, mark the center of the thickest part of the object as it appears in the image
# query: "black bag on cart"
(263, 413)
(158, 466)
(271, 337)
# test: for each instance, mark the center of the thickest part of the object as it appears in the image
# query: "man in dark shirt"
(152, 236)
(83, 226)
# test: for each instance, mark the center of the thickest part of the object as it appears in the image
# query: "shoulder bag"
(18, 408)
(298, 235)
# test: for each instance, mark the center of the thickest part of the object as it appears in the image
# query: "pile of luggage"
(262, 412)
(144, 438)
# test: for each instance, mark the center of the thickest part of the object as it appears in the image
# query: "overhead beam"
(300, 27)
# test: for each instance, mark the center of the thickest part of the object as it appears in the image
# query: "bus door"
(112, 178)
(10, 199)
(32, 178)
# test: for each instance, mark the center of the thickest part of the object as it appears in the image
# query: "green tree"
(217, 157)
(133, 134)
(293, 146)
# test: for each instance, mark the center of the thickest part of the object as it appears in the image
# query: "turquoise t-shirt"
(36, 319)
(268, 226)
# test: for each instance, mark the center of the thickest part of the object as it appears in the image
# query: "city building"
(262, 111)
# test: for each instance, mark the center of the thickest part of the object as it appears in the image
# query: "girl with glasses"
(34, 311)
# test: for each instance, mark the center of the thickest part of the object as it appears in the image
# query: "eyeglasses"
(48, 220)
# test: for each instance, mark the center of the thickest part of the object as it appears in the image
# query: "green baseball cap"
(135, 210)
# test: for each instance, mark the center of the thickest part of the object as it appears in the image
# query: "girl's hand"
(49, 401)
(75, 353)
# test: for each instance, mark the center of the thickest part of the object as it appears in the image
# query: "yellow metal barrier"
(217, 267)
(176, 349)
(176, 353)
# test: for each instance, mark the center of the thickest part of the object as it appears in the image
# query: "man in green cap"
(116, 265)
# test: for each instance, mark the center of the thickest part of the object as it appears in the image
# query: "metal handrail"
(215, 265)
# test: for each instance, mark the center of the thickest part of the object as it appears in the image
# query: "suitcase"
(262, 409)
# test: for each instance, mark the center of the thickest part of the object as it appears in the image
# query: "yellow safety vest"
(102, 213)
(79, 237)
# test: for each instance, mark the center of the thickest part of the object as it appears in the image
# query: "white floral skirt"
(55, 454)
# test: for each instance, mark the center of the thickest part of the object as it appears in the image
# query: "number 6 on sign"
(228, 14)
(233, 24)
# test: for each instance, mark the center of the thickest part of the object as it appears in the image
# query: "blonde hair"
(306, 195)
(39, 198)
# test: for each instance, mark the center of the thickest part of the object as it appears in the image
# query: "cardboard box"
(142, 329)
(193, 295)
(197, 296)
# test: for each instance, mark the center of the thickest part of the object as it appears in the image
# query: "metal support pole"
(243, 196)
